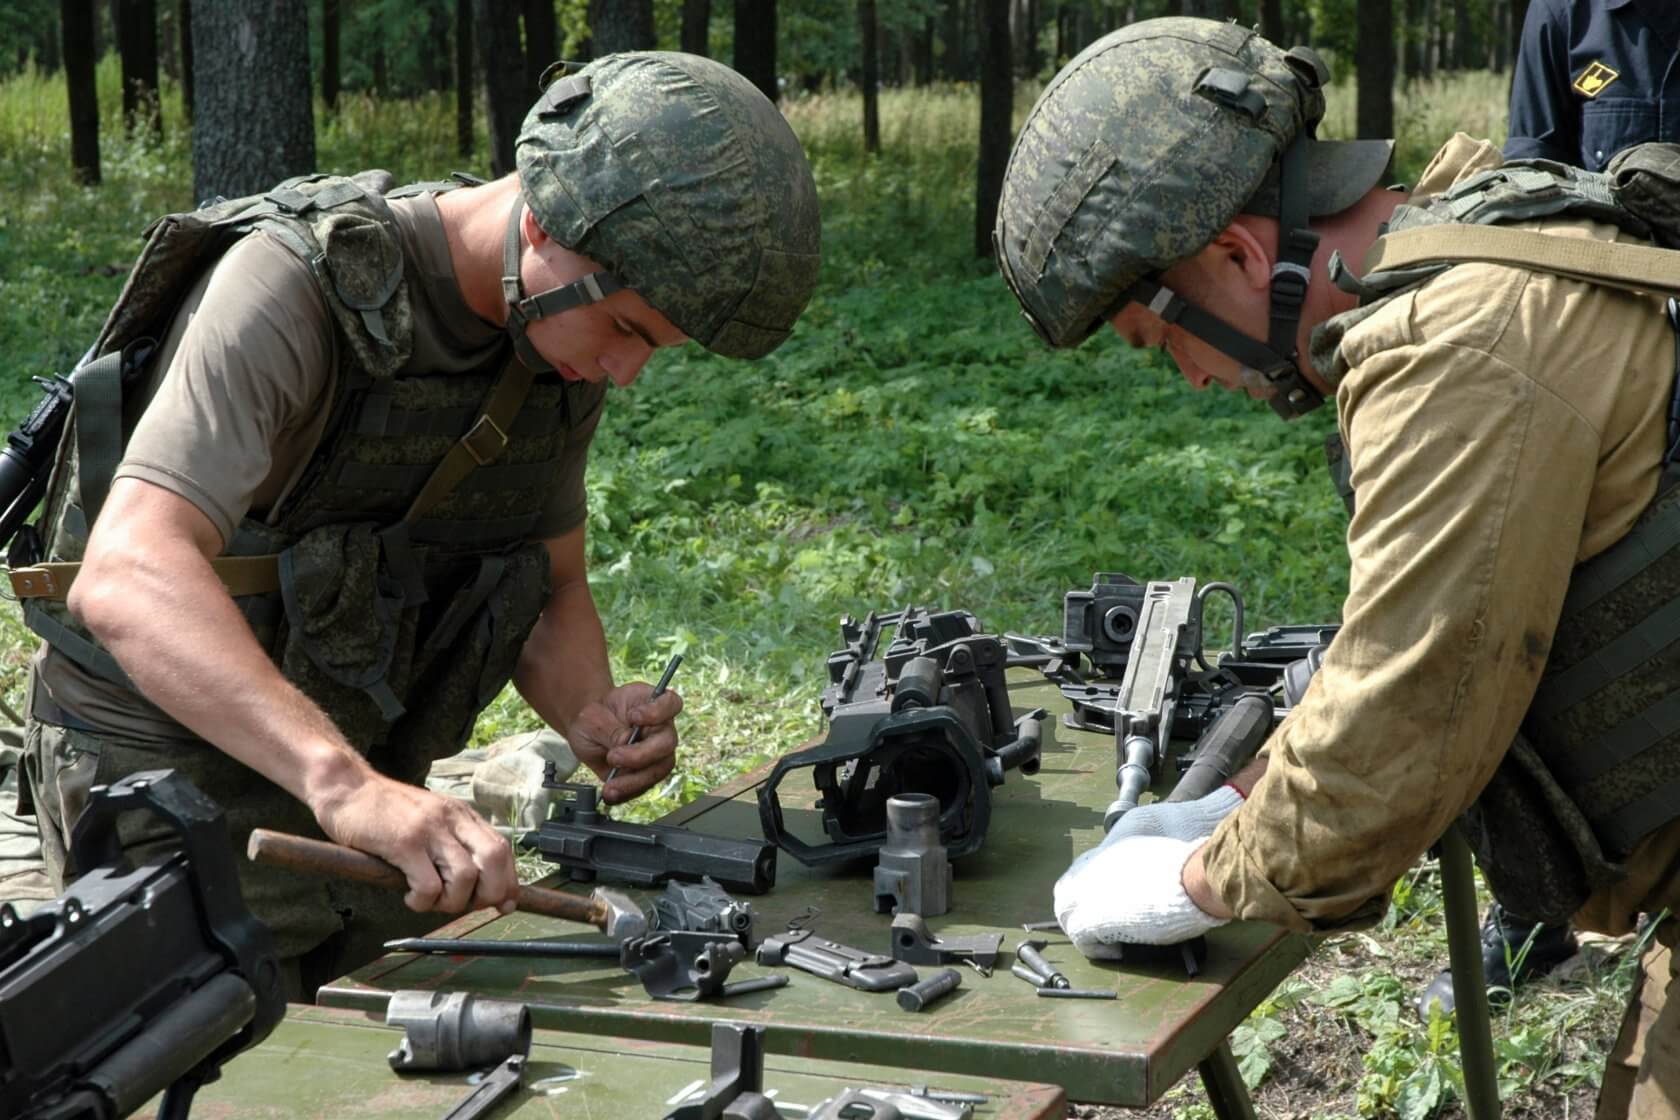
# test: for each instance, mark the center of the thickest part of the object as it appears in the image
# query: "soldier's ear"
(535, 235)
(1243, 252)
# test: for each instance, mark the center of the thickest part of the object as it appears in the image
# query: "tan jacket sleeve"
(1475, 455)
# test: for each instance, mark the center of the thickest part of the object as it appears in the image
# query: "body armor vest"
(396, 582)
(1596, 764)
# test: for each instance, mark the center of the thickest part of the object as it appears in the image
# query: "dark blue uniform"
(1594, 77)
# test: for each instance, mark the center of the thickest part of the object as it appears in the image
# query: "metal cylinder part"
(918, 685)
(914, 874)
(1022, 972)
(1078, 993)
(1027, 952)
(456, 1030)
(919, 995)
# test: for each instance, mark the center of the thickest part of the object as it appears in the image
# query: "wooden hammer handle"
(319, 857)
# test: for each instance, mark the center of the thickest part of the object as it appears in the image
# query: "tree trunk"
(867, 32)
(137, 44)
(697, 27)
(1374, 62)
(621, 25)
(1271, 21)
(1030, 62)
(381, 73)
(76, 20)
(331, 23)
(950, 38)
(437, 72)
(1206, 9)
(503, 61)
(256, 123)
(464, 78)
(755, 44)
(541, 36)
(996, 105)
(183, 24)
(1463, 48)
(924, 53)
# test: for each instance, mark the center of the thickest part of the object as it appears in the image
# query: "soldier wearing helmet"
(1504, 421)
(342, 504)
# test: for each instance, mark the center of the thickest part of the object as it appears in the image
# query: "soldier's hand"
(1178, 820)
(600, 737)
(453, 859)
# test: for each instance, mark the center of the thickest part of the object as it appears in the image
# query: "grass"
(912, 443)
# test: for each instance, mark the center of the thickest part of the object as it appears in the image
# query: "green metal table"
(1124, 1052)
(329, 1063)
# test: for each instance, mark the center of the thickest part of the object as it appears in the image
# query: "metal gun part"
(590, 845)
(918, 996)
(737, 1085)
(867, 972)
(455, 1030)
(914, 875)
(1027, 952)
(684, 965)
(487, 947)
(914, 943)
(497, 1086)
(703, 907)
(1168, 635)
(1078, 993)
(887, 1104)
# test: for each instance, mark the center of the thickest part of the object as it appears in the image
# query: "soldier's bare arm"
(563, 674)
(147, 592)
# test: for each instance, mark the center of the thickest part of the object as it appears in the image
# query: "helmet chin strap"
(1274, 363)
(524, 310)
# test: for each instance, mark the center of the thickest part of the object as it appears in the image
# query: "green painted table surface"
(1125, 1052)
(329, 1063)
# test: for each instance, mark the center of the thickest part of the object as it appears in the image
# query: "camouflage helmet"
(685, 183)
(1141, 151)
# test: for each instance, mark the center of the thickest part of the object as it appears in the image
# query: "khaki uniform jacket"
(1502, 426)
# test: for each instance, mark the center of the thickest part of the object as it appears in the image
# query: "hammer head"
(623, 917)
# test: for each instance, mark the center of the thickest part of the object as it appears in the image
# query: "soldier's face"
(1214, 281)
(1201, 364)
(610, 340)
(606, 341)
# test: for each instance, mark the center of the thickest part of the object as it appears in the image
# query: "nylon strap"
(1637, 268)
(99, 442)
(241, 575)
(483, 442)
(524, 310)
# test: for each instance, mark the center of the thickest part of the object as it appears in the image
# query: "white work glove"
(1178, 820)
(1131, 891)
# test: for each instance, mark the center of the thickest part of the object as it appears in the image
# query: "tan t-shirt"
(242, 395)
(1503, 426)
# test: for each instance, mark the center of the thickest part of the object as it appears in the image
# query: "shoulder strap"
(1638, 268)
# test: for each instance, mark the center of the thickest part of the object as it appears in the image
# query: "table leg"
(1224, 1084)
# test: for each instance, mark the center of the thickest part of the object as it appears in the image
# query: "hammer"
(612, 912)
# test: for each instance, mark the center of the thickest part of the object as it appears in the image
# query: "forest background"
(912, 443)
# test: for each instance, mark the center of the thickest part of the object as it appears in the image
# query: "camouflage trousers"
(1642, 1077)
(24, 881)
(322, 928)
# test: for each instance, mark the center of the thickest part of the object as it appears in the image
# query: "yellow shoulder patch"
(1594, 79)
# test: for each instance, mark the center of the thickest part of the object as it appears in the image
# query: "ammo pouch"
(369, 619)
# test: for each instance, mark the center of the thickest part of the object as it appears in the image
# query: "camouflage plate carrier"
(396, 582)
(1596, 765)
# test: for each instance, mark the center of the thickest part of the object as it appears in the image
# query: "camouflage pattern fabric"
(24, 881)
(1122, 169)
(680, 177)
